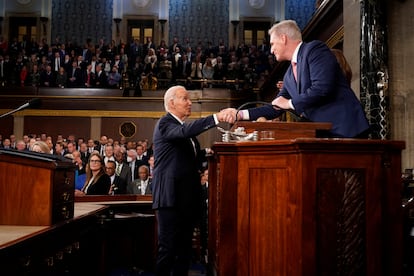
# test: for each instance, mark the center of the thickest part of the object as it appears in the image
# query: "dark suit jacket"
(176, 178)
(85, 157)
(101, 80)
(101, 187)
(322, 93)
(135, 187)
(125, 172)
(120, 185)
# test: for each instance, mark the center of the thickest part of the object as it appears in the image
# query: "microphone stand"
(247, 104)
(32, 103)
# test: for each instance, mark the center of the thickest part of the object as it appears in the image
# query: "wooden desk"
(95, 241)
(11, 235)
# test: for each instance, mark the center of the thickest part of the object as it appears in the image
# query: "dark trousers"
(175, 231)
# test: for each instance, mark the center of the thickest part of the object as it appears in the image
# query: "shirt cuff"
(215, 119)
(291, 104)
(245, 114)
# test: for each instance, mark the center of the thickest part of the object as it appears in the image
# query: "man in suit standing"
(313, 86)
(176, 181)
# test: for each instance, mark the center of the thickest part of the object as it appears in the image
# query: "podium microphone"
(33, 103)
(247, 104)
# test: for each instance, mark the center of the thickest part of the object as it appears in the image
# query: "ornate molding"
(99, 113)
(337, 37)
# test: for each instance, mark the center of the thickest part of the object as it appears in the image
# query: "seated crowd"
(104, 167)
(133, 64)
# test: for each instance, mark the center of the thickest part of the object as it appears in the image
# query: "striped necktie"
(118, 169)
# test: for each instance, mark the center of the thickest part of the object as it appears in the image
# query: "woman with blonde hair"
(97, 181)
(40, 146)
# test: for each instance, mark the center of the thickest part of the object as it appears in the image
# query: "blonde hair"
(40, 146)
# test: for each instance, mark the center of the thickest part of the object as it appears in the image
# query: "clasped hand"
(228, 115)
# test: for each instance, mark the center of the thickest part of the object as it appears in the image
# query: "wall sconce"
(162, 22)
(235, 23)
(117, 21)
(44, 22)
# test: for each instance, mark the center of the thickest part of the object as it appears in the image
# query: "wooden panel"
(306, 207)
(18, 191)
(144, 127)
(35, 189)
(6, 126)
(53, 126)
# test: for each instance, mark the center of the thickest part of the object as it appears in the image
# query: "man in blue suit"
(317, 91)
(176, 180)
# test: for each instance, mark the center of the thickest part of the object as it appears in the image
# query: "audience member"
(118, 184)
(100, 77)
(151, 62)
(35, 76)
(59, 149)
(122, 169)
(114, 78)
(40, 146)
(6, 144)
(61, 78)
(109, 153)
(133, 163)
(143, 184)
(80, 171)
(21, 145)
(208, 69)
(97, 181)
(142, 159)
(74, 75)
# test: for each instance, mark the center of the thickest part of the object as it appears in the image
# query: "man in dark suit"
(118, 184)
(143, 184)
(122, 169)
(133, 164)
(176, 181)
(317, 91)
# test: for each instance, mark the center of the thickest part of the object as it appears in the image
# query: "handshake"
(228, 115)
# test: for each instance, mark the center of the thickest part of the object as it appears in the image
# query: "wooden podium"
(35, 189)
(305, 206)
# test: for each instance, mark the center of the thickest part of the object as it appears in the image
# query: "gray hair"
(287, 27)
(134, 152)
(170, 95)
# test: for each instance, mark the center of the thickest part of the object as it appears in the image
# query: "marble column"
(374, 67)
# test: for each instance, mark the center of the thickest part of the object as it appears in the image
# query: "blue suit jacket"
(176, 178)
(321, 94)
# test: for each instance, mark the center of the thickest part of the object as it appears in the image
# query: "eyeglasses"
(95, 161)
